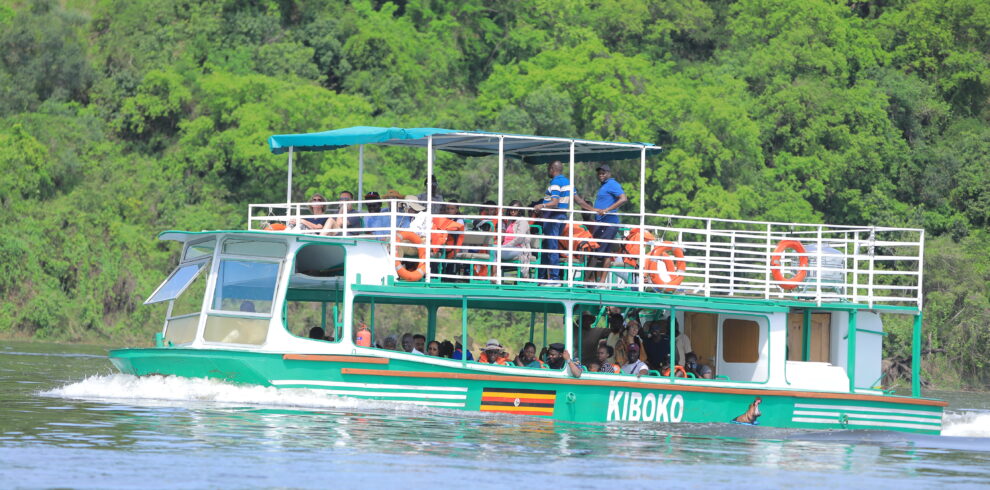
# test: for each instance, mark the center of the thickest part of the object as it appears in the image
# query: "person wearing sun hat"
(494, 354)
(421, 223)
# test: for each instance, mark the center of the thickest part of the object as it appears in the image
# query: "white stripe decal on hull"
(870, 416)
(865, 423)
(427, 404)
(870, 409)
(386, 394)
(345, 384)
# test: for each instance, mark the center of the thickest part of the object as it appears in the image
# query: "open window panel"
(388, 322)
(314, 296)
(183, 317)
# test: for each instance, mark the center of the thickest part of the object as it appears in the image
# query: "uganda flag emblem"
(518, 401)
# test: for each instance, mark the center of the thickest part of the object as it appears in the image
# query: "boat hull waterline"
(457, 387)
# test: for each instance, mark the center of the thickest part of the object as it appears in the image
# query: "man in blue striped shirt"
(556, 200)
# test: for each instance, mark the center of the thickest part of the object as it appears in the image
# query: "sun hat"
(411, 202)
(492, 344)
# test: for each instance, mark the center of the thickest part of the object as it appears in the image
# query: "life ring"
(789, 283)
(275, 227)
(679, 372)
(400, 269)
(670, 263)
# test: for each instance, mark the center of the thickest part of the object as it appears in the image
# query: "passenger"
(421, 223)
(634, 365)
(657, 345)
(494, 354)
(433, 349)
(682, 344)
(486, 224)
(446, 349)
(594, 367)
(604, 353)
(610, 197)
(409, 345)
(247, 307)
(317, 333)
(515, 240)
(380, 220)
(615, 332)
(336, 225)
(390, 343)
(316, 207)
(631, 336)
(558, 357)
(556, 199)
(458, 349)
(691, 365)
(437, 196)
(527, 357)
(419, 342)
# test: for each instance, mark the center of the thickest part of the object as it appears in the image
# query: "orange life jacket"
(443, 235)
(581, 239)
(631, 247)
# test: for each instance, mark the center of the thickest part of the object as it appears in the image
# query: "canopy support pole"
(672, 330)
(570, 229)
(360, 194)
(642, 222)
(916, 357)
(429, 208)
(498, 214)
(464, 331)
(288, 188)
(851, 351)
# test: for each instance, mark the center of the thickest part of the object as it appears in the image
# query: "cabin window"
(176, 283)
(254, 248)
(315, 293)
(180, 326)
(740, 341)
(245, 286)
(200, 249)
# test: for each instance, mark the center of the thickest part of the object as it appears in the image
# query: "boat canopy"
(530, 149)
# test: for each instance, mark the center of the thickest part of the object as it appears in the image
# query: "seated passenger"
(558, 357)
(514, 239)
(527, 357)
(381, 218)
(682, 343)
(409, 345)
(594, 367)
(458, 352)
(656, 344)
(604, 352)
(614, 334)
(494, 354)
(317, 207)
(390, 343)
(635, 366)
(446, 349)
(699, 370)
(337, 225)
(317, 333)
(419, 342)
(433, 349)
(631, 336)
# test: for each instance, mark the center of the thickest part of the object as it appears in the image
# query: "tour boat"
(787, 317)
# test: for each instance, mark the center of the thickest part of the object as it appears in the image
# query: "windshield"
(176, 283)
(245, 286)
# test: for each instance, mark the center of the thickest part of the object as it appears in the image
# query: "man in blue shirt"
(380, 219)
(610, 198)
(555, 201)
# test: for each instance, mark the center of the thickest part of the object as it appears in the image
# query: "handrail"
(722, 258)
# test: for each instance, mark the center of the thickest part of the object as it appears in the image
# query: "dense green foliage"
(123, 118)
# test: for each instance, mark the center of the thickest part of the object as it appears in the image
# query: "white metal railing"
(737, 258)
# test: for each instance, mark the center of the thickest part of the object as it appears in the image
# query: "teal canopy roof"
(530, 149)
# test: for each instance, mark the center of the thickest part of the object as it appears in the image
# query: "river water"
(67, 419)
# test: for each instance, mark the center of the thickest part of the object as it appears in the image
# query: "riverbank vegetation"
(120, 119)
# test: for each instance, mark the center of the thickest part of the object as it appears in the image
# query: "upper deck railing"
(677, 254)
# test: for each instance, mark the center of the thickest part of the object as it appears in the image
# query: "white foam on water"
(967, 423)
(178, 391)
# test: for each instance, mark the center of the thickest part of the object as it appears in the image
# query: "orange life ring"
(789, 282)
(400, 269)
(679, 372)
(670, 263)
(632, 247)
(275, 227)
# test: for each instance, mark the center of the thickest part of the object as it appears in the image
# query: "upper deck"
(721, 258)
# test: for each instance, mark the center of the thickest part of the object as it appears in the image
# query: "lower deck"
(541, 393)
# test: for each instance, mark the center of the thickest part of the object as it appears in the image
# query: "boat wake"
(178, 391)
(966, 423)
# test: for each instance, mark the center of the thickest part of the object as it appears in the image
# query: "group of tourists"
(546, 217)
(622, 348)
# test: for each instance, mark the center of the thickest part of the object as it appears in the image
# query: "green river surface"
(67, 419)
